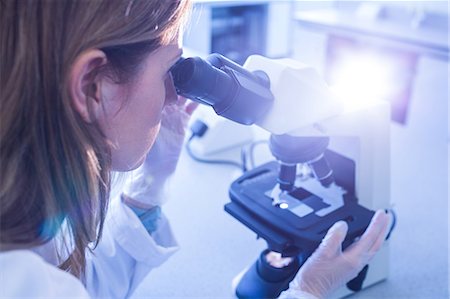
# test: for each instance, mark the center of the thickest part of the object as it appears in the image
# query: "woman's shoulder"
(23, 273)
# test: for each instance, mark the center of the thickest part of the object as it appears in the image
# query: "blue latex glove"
(145, 185)
(329, 268)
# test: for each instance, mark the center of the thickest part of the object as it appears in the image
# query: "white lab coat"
(123, 257)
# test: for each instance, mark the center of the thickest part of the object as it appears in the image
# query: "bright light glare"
(284, 206)
(362, 78)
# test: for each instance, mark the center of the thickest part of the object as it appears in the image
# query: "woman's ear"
(84, 84)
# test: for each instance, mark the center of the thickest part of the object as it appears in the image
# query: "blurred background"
(394, 50)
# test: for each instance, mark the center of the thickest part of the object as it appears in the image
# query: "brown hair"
(54, 166)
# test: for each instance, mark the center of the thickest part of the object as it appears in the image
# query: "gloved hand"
(329, 267)
(145, 185)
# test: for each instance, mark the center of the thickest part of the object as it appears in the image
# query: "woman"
(85, 86)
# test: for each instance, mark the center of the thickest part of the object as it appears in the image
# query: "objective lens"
(310, 150)
(322, 171)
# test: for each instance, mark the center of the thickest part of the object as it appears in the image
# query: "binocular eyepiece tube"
(232, 91)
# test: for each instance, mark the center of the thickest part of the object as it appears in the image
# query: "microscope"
(331, 162)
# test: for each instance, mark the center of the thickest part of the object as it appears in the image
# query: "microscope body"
(286, 202)
(358, 152)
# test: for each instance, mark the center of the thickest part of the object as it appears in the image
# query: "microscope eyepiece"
(196, 79)
(232, 91)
